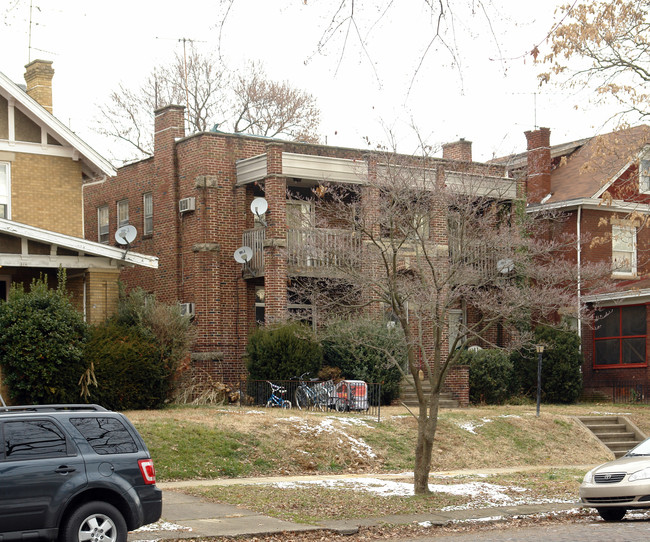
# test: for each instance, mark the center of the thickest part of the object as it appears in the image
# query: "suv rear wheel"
(95, 522)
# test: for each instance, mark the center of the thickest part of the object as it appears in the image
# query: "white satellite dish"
(505, 266)
(243, 255)
(125, 235)
(259, 206)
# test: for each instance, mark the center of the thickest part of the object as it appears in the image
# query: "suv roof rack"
(51, 408)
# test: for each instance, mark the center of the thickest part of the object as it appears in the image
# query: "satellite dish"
(259, 206)
(125, 235)
(505, 266)
(243, 254)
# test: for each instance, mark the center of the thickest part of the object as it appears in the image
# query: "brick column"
(169, 125)
(275, 254)
(38, 77)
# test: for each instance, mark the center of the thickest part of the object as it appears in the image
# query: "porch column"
(102, 294)
(275, 244)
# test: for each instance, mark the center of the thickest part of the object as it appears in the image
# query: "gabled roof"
(76, 252)
(591, 169)
(94, 164)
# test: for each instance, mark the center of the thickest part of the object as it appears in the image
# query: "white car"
(620, 485)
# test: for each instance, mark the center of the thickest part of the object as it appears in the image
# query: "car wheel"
(95, 522)
(340, 405)
(611, 514)
(286, 404)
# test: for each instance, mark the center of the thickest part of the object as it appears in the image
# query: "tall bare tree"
(246, 102)
(606, 45)
(433, 242)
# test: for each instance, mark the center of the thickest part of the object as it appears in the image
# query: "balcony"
(310, 251)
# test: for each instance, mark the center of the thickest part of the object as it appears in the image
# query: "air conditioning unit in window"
(187, 204)
(187, 309)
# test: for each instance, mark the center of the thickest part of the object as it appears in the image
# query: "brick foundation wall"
(457, 383)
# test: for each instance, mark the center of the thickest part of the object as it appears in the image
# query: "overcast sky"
(490, 96)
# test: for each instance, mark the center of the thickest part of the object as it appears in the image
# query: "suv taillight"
(147, 470)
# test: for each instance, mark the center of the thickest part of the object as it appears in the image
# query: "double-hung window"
(5, 190)
(644, 175)
(102, 224)
(122, 213)
(621, 335)
(147, 215)
(624, 250)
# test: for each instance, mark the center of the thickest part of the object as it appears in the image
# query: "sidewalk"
(186, 516)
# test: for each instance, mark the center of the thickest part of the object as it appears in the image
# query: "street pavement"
(186, 516)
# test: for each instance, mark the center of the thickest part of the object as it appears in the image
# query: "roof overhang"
(94, 164)
(626, 297)
(65, 251)
(613, 206)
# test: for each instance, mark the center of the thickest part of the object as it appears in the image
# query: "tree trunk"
(427, 424)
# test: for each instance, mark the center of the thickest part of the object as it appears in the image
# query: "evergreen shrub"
(42, 340)
(368, 350)
(491, 376)
(561, 365)
(282, 352)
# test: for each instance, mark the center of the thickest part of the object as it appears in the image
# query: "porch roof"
(22, 245)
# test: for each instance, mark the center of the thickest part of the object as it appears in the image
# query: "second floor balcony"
(309, 251)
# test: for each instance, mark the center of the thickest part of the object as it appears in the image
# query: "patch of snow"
(425, 524)
(162, 526)
(334, 425)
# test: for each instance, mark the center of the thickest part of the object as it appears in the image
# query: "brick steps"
(616, 433)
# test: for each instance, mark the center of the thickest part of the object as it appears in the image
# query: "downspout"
(579, 258)
(83, 204)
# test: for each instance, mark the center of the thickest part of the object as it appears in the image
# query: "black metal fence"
(628, 392)
(347, 396)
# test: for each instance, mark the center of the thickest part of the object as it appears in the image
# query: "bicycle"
(276, 400)
(317, 395)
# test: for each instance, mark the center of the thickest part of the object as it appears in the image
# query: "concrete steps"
(616, 433)
(408, 396)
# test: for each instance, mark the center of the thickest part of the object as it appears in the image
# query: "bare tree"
(270, 108)
(604, 44)
(247, 102)
(432, 242)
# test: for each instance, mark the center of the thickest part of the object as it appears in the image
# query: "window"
(147, 220)
(34, 439)
(620, 337)
(624, 250)
(123, 213)
(260, 304)
(5, 191)
(644, 176)
(102, 224)
(105, 435)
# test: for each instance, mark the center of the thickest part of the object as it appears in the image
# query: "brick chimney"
(460, 150)
(538, 182)
(38, 76)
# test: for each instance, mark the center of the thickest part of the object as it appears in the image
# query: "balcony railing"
(309, 250)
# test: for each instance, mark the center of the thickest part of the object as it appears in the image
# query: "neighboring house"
(44, 168)
(602, 185)
(192, 202)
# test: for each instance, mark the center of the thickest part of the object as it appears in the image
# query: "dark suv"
(73, 473)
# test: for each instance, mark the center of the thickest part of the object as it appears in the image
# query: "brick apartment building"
(191, 203)
(602, 186)
(43, 168)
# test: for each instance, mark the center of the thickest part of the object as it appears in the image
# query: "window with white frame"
(624, 250)
(147, 220)
(102, 224)
(5, 190)
(123, 213)
(644, 174)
